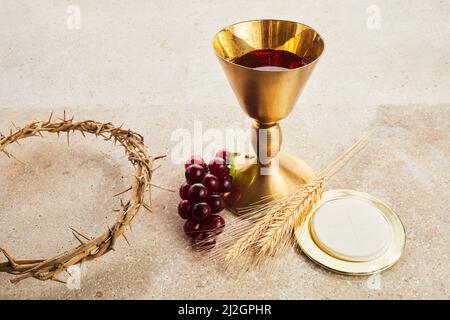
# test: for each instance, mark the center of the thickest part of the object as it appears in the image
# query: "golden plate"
(359, 268)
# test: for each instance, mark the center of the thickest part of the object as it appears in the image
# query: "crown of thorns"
(89, 248)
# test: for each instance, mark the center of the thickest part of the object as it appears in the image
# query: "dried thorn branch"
(149, 208)
(78, 238)
(122, 192)
(162, 188)
(126, 239)
(80, 234)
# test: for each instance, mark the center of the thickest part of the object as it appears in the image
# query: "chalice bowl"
(267, 63)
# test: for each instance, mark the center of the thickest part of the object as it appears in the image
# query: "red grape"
(225, 175)
(198, 193)
(211, 182)
(184, 191)
(216, 203)
(195, 160)
(204, 241)
(194, 173)
(192, 227)
(217, 166)
(185, 209)
(225, 185)
(214, 224)
(224, 154)
(201, 210)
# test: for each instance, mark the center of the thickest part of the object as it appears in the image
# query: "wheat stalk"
(265, 230)
(284, 222)
(246, 240)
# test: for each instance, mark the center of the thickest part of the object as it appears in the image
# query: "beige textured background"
(150, 64)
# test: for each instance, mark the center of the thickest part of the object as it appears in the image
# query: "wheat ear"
(284, 222)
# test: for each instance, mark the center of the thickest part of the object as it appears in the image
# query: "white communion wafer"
(351, 229)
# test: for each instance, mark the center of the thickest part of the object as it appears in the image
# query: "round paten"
(350, 232)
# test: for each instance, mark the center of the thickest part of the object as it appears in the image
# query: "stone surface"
(152, 67)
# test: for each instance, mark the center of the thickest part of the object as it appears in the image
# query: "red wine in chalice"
(271, 60)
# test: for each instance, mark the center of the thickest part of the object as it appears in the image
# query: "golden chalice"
(267, 96)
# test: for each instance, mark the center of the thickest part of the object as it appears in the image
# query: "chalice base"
(255, 184)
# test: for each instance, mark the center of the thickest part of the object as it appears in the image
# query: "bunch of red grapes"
(202, 198)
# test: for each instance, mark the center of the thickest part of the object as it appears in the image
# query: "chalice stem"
(266, 141)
